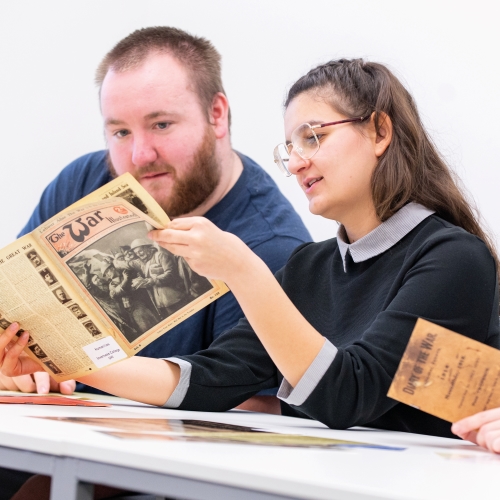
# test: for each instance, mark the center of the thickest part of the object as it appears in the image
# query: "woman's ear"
(384, 134)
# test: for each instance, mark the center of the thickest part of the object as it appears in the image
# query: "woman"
(332, 325)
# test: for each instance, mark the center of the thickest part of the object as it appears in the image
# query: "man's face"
(91, 328)
(144, 252)
(61, 295)
(130, 255)
(35, 259)
(157, 130)
(111, 273)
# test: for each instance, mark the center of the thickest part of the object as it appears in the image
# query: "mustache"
(154, 169)
(151, 168)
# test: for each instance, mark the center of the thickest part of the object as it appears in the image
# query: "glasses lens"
(305, 141)
(281, 158)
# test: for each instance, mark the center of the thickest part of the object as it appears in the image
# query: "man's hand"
(141, 283)
(482, 428)
(18, 372)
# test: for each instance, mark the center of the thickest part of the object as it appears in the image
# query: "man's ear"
(219, 115)
(384, 134)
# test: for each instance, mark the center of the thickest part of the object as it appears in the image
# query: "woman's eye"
(311, 139)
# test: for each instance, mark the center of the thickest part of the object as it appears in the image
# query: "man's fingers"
(67, 387)
(42, 380)
(24, 383)
(11, 365)
(8, 335)
(7, 383)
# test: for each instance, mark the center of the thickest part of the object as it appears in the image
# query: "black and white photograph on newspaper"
(137, 283)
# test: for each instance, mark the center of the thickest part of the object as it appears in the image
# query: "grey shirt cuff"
(177, 397)
(298, 394)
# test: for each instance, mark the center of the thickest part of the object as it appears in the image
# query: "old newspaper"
(91, 288)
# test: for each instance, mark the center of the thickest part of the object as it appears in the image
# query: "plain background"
(446, 52)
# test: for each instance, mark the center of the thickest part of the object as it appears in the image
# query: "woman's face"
(336, 180)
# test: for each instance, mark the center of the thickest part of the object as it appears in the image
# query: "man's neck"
(231, 168)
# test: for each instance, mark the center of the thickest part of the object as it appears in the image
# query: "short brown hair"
(411, 168)
(196, 54)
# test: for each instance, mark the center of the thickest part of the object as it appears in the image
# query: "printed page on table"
(35, 292)
(136, 289)
(447, 374)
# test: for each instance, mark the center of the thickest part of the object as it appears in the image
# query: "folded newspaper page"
(447, 374)
(91, 288)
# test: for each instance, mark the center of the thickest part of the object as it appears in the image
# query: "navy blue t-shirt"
(254, 210)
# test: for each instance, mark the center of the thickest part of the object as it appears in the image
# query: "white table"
(76, 456)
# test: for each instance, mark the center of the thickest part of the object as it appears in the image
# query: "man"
(93, 330)
(166, 121)
(37, 351)
(136, 302)
(34, 258)
(61, 295)
(160, 277)
(76, 310)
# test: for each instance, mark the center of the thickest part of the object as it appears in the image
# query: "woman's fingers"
(474, 422)
(482, 428)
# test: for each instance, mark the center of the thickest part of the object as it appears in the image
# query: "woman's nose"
(296, 163)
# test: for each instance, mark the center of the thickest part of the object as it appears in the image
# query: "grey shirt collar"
(384, 236)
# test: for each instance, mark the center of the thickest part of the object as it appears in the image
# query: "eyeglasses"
(304, 142)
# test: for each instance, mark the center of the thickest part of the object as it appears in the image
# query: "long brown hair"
(411, 168)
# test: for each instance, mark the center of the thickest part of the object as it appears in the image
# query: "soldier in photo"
(75, 309)
(61, 295)
(37, 351)
(52, 367)
(160, 277)
(34, 258)
(137, 302)
(48, 277)
(93, 330)
(98, 287)
(133, 199)
(4, 323)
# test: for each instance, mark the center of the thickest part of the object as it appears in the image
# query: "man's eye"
(121, 133)
(163, 125)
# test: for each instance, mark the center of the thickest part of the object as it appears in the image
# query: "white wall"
(445, 51)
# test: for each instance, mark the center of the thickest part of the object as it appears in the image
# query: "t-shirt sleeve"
(79, 178)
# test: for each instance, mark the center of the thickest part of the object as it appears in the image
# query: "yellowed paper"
(75, 284)
(446, 374)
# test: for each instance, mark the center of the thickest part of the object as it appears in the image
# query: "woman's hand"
(208, 250)
(13, 363)
(482, 428)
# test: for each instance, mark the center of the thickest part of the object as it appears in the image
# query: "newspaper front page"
(91, 288)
